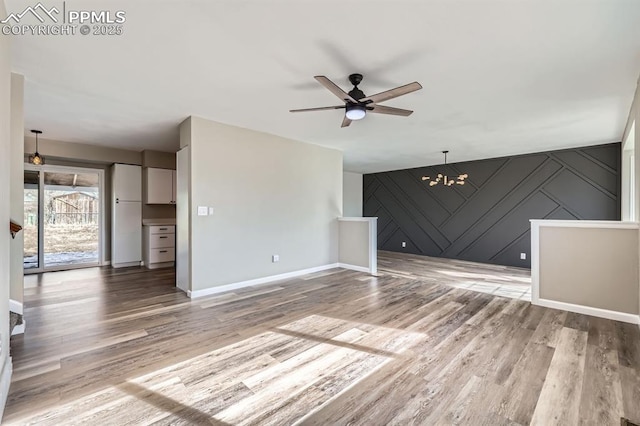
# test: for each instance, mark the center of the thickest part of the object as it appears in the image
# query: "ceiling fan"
(357, 104)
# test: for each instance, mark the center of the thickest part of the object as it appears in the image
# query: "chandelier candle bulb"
(444, 178)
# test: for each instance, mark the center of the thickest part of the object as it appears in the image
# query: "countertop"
(160, 222)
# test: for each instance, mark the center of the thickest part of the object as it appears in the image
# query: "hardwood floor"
(514, 283)
(114, 347)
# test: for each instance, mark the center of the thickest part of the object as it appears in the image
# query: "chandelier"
(444, 179)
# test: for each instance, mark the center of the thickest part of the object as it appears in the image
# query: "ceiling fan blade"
(345, 122)
(333, 88)
(393, 93)
(381, 109)
(318, 109)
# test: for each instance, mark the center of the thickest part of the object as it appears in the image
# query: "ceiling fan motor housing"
(356, 94)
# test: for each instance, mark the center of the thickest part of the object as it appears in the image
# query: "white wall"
(358, 248)
(270, 195)
(17, 185)
(352, 194)
(5, 167)
(587, 263)
(354, 243)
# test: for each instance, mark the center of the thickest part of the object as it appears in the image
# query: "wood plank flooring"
(116, 347)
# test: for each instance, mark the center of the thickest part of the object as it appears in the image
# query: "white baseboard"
(588, 310)
(258, 281)
(5, 382)
(160, 265)
(354, 267)
(15, 306)
(126, 265)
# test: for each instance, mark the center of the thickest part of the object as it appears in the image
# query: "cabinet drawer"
(162, 229)
(162, 240)
(160, 255)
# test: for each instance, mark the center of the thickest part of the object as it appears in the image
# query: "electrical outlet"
(275, 258)
(404, 244)
(523, 256)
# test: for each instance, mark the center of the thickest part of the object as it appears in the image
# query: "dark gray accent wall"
(487, 219)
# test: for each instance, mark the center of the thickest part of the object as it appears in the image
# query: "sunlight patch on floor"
(277, 376)
(512, 291)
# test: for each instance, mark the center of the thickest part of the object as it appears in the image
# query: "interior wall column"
(16, 182)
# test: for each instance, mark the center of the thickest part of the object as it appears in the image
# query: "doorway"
(63, 218)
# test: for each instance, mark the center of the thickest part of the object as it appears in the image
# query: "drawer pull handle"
(163, 229)
(163, 237)
(163, 251)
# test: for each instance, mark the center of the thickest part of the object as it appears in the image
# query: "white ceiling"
(500, 77)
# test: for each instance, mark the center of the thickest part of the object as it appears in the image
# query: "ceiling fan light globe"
(355, 112)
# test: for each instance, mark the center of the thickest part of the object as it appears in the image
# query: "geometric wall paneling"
(603, 154)
(487, 219)
(597, 173)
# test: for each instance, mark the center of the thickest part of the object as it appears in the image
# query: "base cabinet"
(159, 246)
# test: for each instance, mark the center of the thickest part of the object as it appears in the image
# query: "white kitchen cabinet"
(159, 246)
(160, 185)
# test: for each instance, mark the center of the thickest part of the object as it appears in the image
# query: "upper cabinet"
(161, 186)
(127, 182)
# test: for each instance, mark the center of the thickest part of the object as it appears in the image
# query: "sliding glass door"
(69, 219)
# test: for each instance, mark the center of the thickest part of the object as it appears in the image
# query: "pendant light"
(444, 179)
(36, 158)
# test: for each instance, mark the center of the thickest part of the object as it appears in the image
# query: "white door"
(127, 235)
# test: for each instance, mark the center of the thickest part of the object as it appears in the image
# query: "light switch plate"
(202, 210)
(210, 211)
(523, 256)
